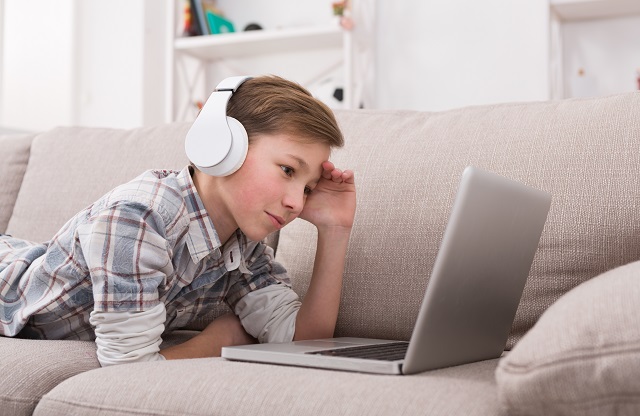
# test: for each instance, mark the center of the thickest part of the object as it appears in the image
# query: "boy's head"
(290, 136)
(268, 105)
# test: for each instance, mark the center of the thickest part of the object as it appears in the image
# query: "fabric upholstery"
(217, 386)
(14, 155)
(71, 167)
(408, 164)
(583, 356)
(30, 368)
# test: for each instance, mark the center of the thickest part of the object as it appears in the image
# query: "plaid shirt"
(146, 242)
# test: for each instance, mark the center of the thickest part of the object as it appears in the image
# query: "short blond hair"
(272, 105)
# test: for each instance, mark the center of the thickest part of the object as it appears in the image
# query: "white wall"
(109, 70)
(101, 62)
(601, 57)
(82, 62)
(440, 54)
(38, 80)
(120, 63)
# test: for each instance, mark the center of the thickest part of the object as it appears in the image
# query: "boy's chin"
(255, 235)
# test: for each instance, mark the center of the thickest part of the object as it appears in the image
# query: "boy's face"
(270, 189)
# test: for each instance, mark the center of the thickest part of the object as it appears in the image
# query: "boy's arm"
(224, 331)
(125, 251)
(331, 208)
(319, 310)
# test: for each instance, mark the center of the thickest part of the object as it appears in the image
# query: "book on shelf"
(198, 18)
(203, 18)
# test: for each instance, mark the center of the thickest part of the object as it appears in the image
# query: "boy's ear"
(216, 144)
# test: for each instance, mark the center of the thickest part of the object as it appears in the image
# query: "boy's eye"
(307, 190)
(287, 170)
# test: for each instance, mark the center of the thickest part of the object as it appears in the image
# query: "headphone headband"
(232, 83)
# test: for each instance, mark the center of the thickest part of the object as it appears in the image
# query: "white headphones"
(215, 143)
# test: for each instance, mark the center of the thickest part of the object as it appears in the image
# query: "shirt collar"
(202, 238)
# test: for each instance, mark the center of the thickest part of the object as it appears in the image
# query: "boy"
(156, 253)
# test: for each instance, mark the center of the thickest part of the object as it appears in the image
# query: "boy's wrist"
(334, 231)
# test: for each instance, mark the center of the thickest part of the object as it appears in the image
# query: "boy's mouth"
(276, 220)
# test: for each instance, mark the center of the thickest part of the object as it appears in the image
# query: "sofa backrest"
(71, 167)
(14, 155)
(408, 164)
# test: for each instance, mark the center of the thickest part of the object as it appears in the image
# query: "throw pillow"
(583, 355)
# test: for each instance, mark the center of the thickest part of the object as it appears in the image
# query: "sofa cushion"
(408, 165)
(30, 368)
(71, 167)
(216, 386)
(13, 164)
(583, 356)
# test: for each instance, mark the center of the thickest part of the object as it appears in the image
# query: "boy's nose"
(294, 201)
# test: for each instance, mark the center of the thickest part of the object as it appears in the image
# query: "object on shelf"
(189, 28)
(638, 78)
(329, 90)
(252, 26)
(346, 22)
(342, 11)
(338, 94)
(218, 24)
(198, 18)
(339, 7)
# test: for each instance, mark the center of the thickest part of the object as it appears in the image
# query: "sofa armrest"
(13, 165)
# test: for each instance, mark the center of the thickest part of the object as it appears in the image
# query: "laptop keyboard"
(387, 352)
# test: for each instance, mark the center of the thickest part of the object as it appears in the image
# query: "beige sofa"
(579, 356)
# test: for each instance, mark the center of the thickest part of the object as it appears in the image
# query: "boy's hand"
(333, 201)
(331, 208)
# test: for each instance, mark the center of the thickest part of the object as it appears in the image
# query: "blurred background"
(130, 63)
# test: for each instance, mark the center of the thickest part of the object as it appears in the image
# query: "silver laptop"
(471, 298)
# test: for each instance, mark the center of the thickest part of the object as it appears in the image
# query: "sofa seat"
(31, 368)
(221, 387)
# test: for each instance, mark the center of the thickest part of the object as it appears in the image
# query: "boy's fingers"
(335, 174)
(328, 166)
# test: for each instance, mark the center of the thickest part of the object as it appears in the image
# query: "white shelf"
(259, 42)
(594, 9)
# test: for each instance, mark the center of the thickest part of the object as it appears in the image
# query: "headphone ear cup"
(216, 144)
(237, 153)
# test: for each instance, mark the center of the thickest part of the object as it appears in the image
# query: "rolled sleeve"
(269, 314)
(129, 337)
(262, 297)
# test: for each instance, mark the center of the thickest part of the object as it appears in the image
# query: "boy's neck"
(207, 190)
